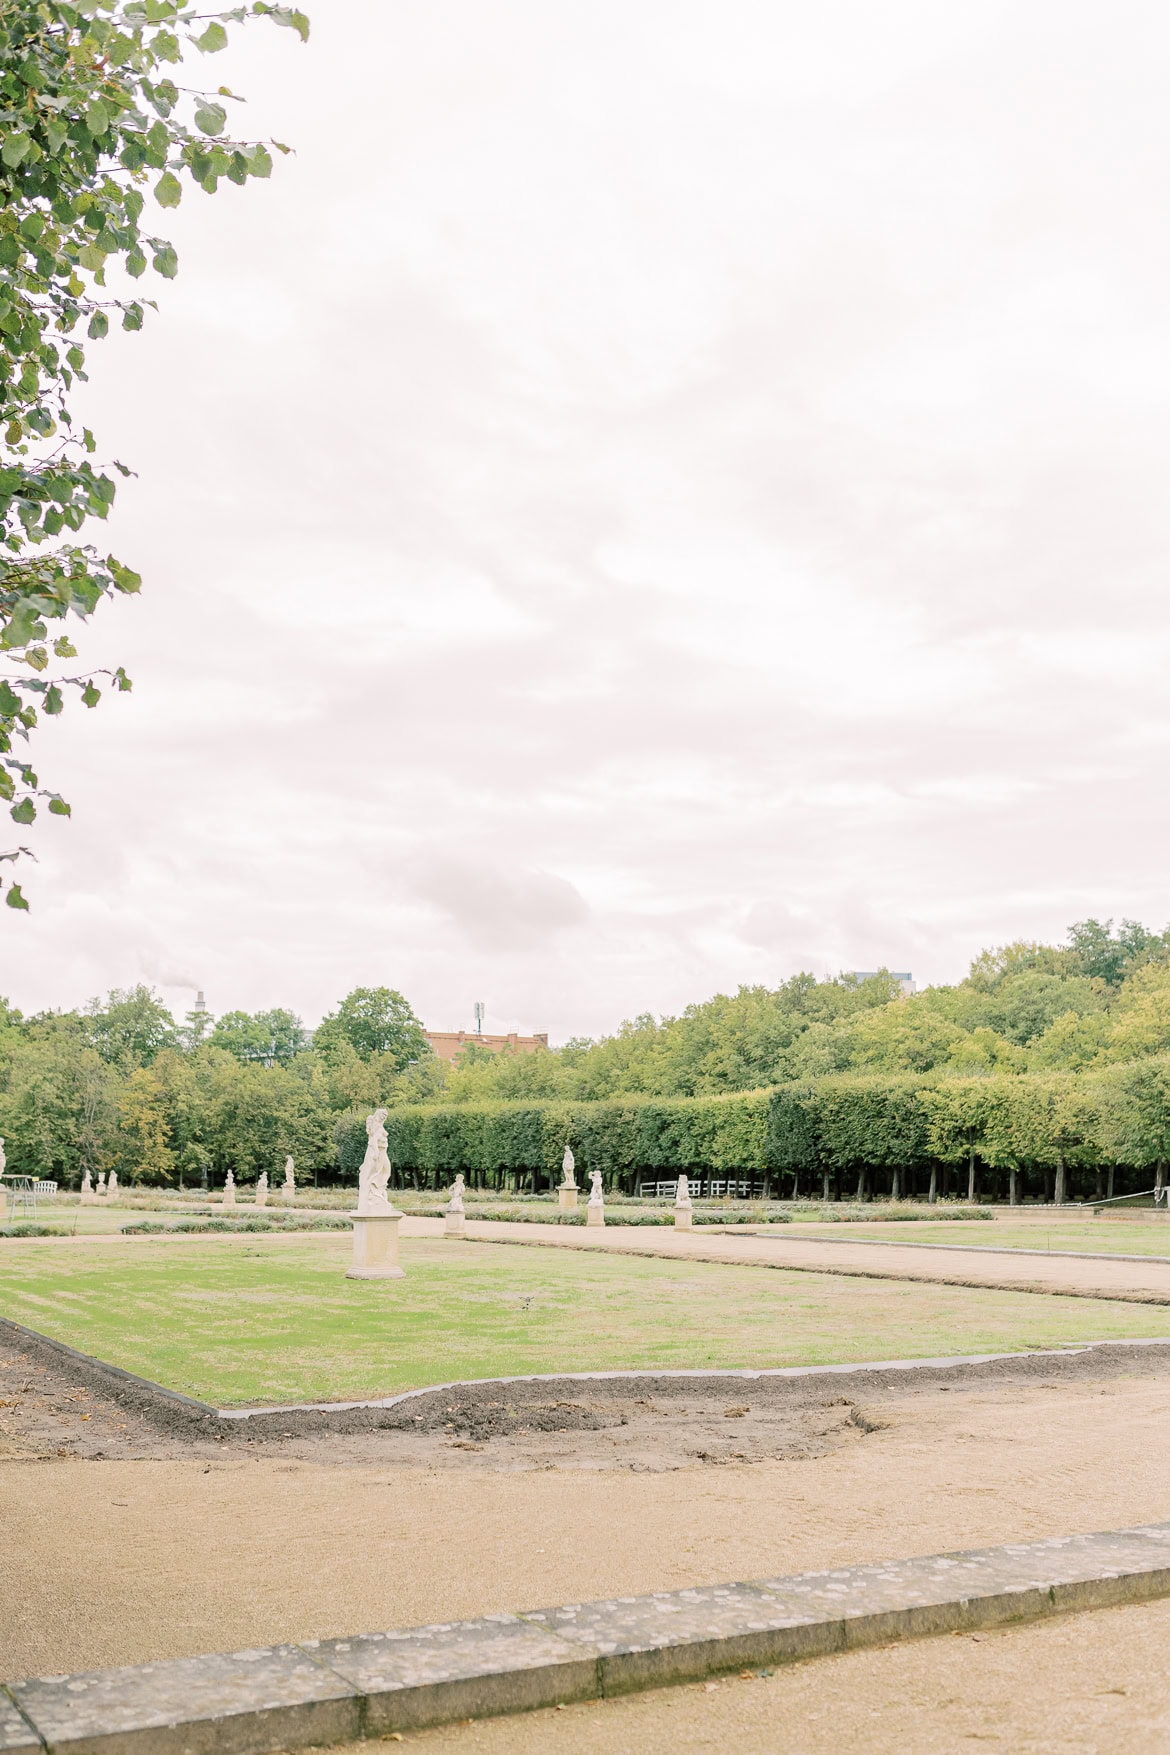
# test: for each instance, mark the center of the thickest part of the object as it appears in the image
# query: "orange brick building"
(448, 1044)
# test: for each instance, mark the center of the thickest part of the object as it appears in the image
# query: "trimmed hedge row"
(825, 1129)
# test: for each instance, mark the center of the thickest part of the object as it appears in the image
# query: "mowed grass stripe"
(236, 1322)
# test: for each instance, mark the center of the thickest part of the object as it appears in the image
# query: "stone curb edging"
(746, 1373)
(971, 1248)
(17, 1331)
(289, 1697)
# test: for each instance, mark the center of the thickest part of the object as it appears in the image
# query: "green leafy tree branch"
(92, 127)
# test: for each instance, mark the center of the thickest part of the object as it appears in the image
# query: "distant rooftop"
(902, 976)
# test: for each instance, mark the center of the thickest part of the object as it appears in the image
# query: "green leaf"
(9, 700)
(63, 647)
(24, 812)
(132, 317)
(54, 700)
(90, 695)
(214, 39)
(136, 263)
(97, 117)
(211, 118)
(166, 262)
(14, 149)
(14, 897)
(89, 256)
(123, 681)
(99, 325)
(168, 191)
(59, 808)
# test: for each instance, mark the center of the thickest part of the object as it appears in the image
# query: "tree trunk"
(826, 1195)
(1109, 1185)
(861, 1185)
(896, 1185)
(1013, 1188)
(971, 1177)
(1058, 1192)
(796, 1185)
(932, 1197)
(1159, 1175)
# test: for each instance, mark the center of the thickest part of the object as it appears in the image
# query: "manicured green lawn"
(241, 1320)
(1094, 1236)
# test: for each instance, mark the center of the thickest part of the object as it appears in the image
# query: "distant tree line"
(1047, 1070)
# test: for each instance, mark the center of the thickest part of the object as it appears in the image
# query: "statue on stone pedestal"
(229, 1190)
(375, 1171)
(112, 1186)
(88, 1197)
(596, 1198)
(290, 1181)
(455, 1204)
(262, 1189)
(101, 1187)
(683, 1216)
(683, 1197)
(569, 1166)
(3, 1159)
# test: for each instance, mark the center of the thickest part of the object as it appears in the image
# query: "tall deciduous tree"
(92, 126)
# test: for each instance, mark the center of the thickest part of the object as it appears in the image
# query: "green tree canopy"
(375, 1021)
(271, 1037)
(92, 123)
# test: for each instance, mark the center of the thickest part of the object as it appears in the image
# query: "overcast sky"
(653, 496)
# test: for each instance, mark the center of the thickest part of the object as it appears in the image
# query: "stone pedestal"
(375, 1247)
(567, 1199)
(683, 1219)
(594, 1215)
(455, 1225)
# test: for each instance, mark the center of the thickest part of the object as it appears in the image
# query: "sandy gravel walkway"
(1093, 1684)
(1134, 1277)
(109, 1562)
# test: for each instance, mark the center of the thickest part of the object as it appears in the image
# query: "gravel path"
(1135, 1277)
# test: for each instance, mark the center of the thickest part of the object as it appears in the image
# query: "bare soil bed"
(53, 1404)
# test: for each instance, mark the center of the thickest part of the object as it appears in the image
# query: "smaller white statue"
(375, 1171)
(596, 1198)
(229, 1190)
(683, 1215)
(101, 1187)
(455, 1204)
(569, 1166)
(88, 1197)
(262, 1189)
(112, 1186)
(290, 1181)
(3, 1159)
(683, 1197)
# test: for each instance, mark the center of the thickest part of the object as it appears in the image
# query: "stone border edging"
(290, 1696)
(738, 1373)
(973, 1248)
(102, 1366)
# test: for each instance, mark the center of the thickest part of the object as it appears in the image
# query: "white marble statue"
(112, 1186)
(3, 1159)
(101, 1187)
(262, 1189)
(229, 1190)
(569, 1166)
(290, 1181)
(683, 1197)
(375, 1171)
(455, 1204)
(88, 1197)
(683, 1216)
(595, 1212)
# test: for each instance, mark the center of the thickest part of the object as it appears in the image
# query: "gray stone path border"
(292, 1696)
(744, 1372)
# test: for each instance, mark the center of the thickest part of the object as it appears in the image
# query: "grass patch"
(276, 1321)
(1081, 1236)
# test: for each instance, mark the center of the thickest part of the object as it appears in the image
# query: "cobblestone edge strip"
(291, 1697)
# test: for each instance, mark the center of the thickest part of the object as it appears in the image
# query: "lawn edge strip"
(86, 1365)
(848, 1273)
(973, 1248)
(290, 1696)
